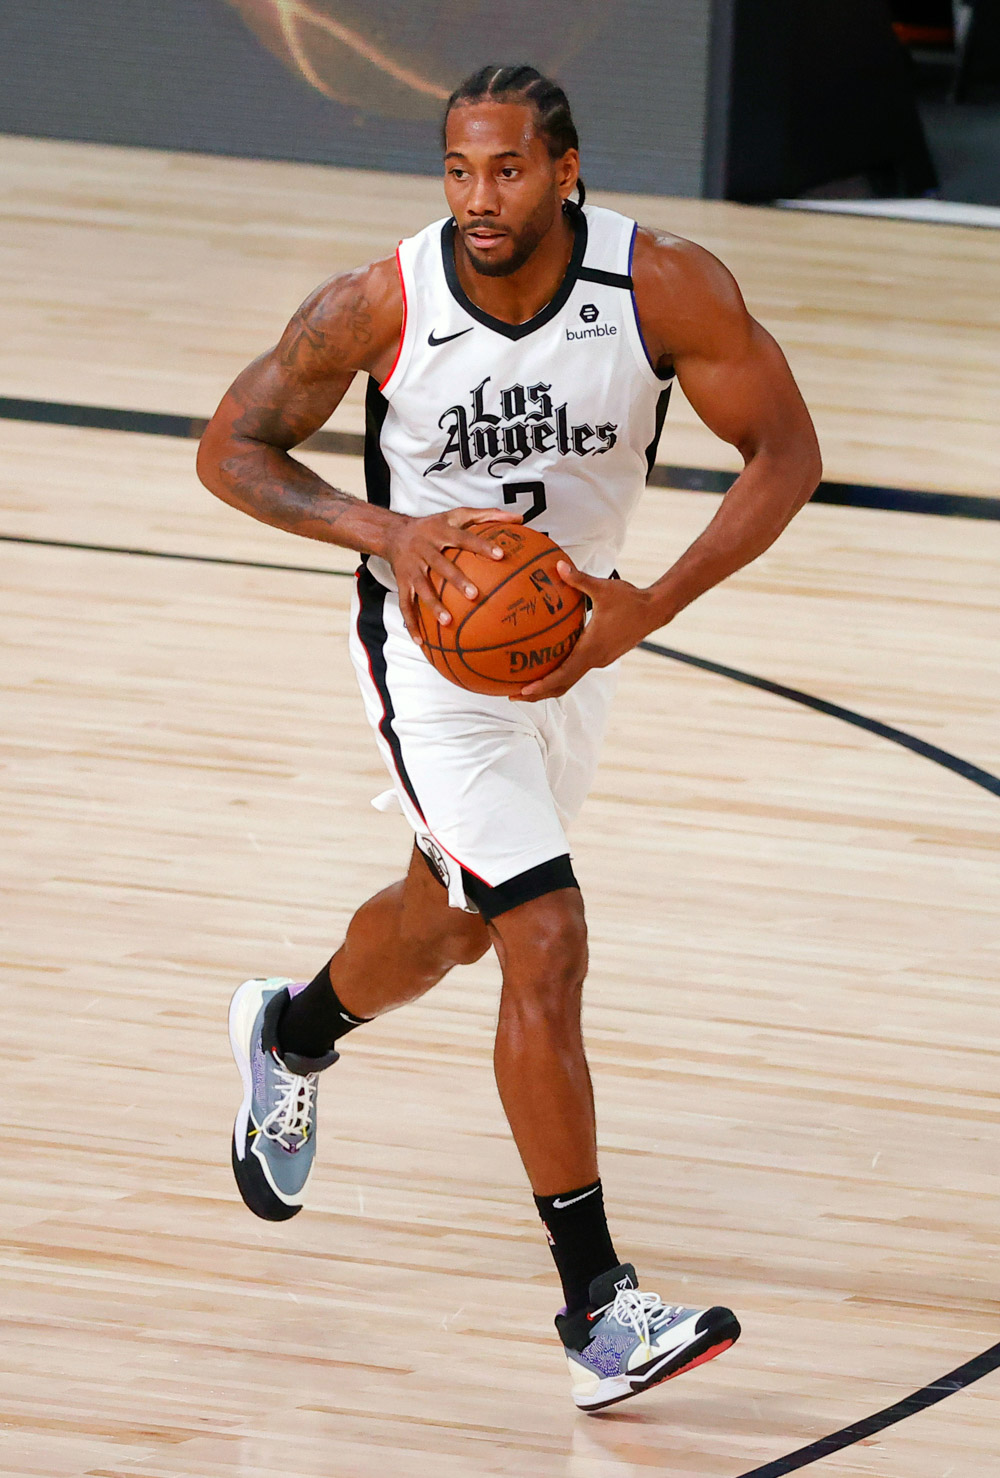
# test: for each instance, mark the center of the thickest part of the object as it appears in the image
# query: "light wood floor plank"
(792, 1013)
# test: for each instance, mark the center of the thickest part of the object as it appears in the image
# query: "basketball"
(524, 622)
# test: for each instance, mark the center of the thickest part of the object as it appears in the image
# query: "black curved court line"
(964, 1375)
(352, 444)
(932, 752)
(956, 1380)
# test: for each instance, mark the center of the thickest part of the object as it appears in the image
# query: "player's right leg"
(398, 945)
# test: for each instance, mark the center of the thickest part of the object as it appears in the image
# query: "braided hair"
(523, 84)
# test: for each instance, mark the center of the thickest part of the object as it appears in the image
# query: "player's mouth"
(484, 238)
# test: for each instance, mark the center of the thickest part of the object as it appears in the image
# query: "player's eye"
(509, 172)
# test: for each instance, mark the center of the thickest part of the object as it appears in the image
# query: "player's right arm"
(350, 324)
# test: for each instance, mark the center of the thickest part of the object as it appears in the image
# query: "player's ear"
(567, 173)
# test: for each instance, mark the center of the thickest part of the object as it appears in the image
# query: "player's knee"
(459, 941)
(466, 940)
(548, 972)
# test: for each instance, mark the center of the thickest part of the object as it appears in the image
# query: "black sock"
(314, 1019)
(578, 1235)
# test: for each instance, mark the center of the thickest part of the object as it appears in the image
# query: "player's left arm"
(736, 378)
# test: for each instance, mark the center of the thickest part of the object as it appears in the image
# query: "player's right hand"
(416, 547)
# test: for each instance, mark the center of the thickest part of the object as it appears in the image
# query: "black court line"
(198, 559)
(948, 1385)
(956, 1380)
(941, 757)
(352, 444)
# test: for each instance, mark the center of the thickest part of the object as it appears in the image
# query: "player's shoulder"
(349, 320)
(360, 293)
(672, 264)
(687, 300)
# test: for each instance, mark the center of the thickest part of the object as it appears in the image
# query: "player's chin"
(494, 261)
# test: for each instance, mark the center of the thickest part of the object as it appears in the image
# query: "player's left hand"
(622, 616)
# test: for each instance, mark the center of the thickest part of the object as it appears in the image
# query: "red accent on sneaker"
(709, 1354)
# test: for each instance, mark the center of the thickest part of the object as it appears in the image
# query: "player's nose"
(483, 199)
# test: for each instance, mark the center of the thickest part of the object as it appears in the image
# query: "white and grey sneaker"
(274, 1139)
(628, 1341)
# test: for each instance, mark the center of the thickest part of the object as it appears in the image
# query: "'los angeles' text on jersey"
(525, 421)
(557, 418)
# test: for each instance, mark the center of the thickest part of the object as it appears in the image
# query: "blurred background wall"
(358, 82)
(746, 99)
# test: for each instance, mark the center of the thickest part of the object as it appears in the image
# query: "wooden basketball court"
(793, 1008)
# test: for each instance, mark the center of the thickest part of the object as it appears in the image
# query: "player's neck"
(524, 293)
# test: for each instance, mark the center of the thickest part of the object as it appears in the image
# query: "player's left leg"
(619, 1340)
(398, 945)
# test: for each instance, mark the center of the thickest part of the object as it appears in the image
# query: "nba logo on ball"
(521, 625)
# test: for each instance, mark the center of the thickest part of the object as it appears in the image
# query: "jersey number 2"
(535, 490)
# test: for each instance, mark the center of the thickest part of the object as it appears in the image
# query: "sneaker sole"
(259, 1196)
(722, 1333)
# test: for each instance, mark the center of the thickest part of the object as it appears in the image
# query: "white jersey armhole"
(406, 334)
(633, 326)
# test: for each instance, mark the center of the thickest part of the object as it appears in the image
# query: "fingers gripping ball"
(524, 622)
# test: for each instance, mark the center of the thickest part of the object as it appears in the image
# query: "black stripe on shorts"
(371, 629)
(547, 877)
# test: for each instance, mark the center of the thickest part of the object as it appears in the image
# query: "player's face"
(504, 189)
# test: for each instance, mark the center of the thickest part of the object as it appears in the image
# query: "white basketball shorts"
(488, 785)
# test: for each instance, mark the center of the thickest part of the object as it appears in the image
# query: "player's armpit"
(694, 318)
(738, 382)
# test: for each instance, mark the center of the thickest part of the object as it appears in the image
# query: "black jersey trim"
(516, 330)
(373, 635)
(661, 414)
(547, 877)
(377, 481)
(607, 279)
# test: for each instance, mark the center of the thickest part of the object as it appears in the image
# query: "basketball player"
(520, 356)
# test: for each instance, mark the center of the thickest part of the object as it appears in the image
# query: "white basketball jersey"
(557, 418)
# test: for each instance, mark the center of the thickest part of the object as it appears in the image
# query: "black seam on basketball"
(444, 667)
(542, 630)
(506, 682)
(529, 675)
(567, 615)
(455, 656)
(521, 569)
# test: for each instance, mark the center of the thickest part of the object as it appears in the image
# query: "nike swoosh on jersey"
(560, 1205)
(447, 338)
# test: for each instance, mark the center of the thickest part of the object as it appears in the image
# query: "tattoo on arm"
(285, 396)
(279, 490)
(331, 329)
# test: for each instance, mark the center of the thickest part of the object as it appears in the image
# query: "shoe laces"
(292, 1114)
(643, 1313)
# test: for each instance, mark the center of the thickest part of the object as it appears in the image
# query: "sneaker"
(628, 1341)
(274, 1139)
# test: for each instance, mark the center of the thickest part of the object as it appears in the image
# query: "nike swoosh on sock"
(560, 1204)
